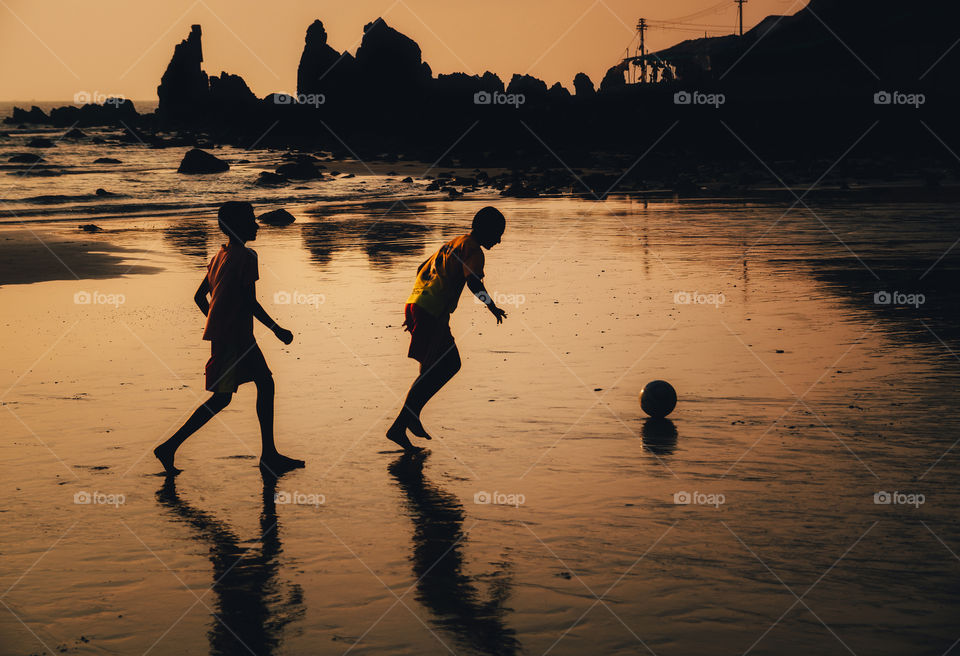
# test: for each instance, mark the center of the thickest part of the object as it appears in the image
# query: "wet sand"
(801, 399)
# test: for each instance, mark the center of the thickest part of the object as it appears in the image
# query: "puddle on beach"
(546, 516)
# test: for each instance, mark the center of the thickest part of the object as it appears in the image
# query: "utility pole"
(641, 28)
(740, 13)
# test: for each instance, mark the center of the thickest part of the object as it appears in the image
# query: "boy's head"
(237, 220)
(488, 226)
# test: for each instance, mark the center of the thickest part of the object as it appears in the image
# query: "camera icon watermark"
(899, 98)
(499, 499)
(899, 298)
(499, 98)
(95, 498)
(697, 298)
(699, 98)
(313, 99)
(499, 299)
(884, 498)
(299, 298)
(695, 498)
(299, 498)
(98, 298)
(97, 98)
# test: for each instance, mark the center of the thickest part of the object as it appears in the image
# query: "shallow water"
(800, 400)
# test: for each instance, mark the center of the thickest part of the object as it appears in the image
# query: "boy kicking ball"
(235, 357)
(440, 281)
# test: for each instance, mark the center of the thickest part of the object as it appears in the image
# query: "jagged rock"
(200, 161)
(113, 111)
(614, 79)
(322, 69)
(583, 86)
(391, 62)
(279, 217)
(26, 158)
(407, 180)
(230, 97)
(106, 160)
(184, 89)
(35, 115)
(533, 89)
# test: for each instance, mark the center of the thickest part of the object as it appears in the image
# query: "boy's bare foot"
(417, 428)
(165, 456)
(277, 463)
(398, 434)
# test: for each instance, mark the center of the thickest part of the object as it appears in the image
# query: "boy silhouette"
(440, 281)
(235, 357)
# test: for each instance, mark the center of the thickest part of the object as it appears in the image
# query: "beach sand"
(548, 515)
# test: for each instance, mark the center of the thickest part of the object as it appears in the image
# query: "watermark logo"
(299, 298)
(313, 99)
(684, 498)
(499, 499)
(299, 498)
(696, 298)
(499, 98)
(98, 298)
(97, 98)
(899, 98)
(899, 298)
(499, 299)
(884, 498)
(84, 498)
(699, 98)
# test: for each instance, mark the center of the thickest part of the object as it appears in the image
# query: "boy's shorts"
(430, 336)
(233, 363)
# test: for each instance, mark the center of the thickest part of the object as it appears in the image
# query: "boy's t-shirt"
(440, 279)
(230, 273)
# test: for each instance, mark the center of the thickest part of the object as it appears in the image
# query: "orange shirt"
(230, 274)
(440, 279)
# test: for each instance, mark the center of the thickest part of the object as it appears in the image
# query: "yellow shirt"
(440, 279)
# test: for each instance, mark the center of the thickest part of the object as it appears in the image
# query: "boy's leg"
(431, 380)
(165, 452)
(270, 459)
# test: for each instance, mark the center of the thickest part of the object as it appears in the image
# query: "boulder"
(75, 133)
(104, 192)
(200, 161)
(299, 170)
(26, 158)
(279, 217)
(40, 142)
(268, 179)
(106, 160)
(90, 227)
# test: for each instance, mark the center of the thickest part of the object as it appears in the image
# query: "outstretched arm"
(200, 297)
(476, 286)
(261, 315)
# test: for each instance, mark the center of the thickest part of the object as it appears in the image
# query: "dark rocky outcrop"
(583, 86)
(26, 158)
(200, 161)
(184, 89)
(106, 160)
(323, 70)
(279, 217)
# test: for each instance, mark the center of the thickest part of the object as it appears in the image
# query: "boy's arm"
(200, 297)
(476, 286)
(261, 315)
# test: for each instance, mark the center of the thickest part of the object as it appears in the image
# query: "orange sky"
(53, 49)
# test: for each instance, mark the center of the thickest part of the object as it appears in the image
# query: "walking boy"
(235, 357)
(440, 280)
